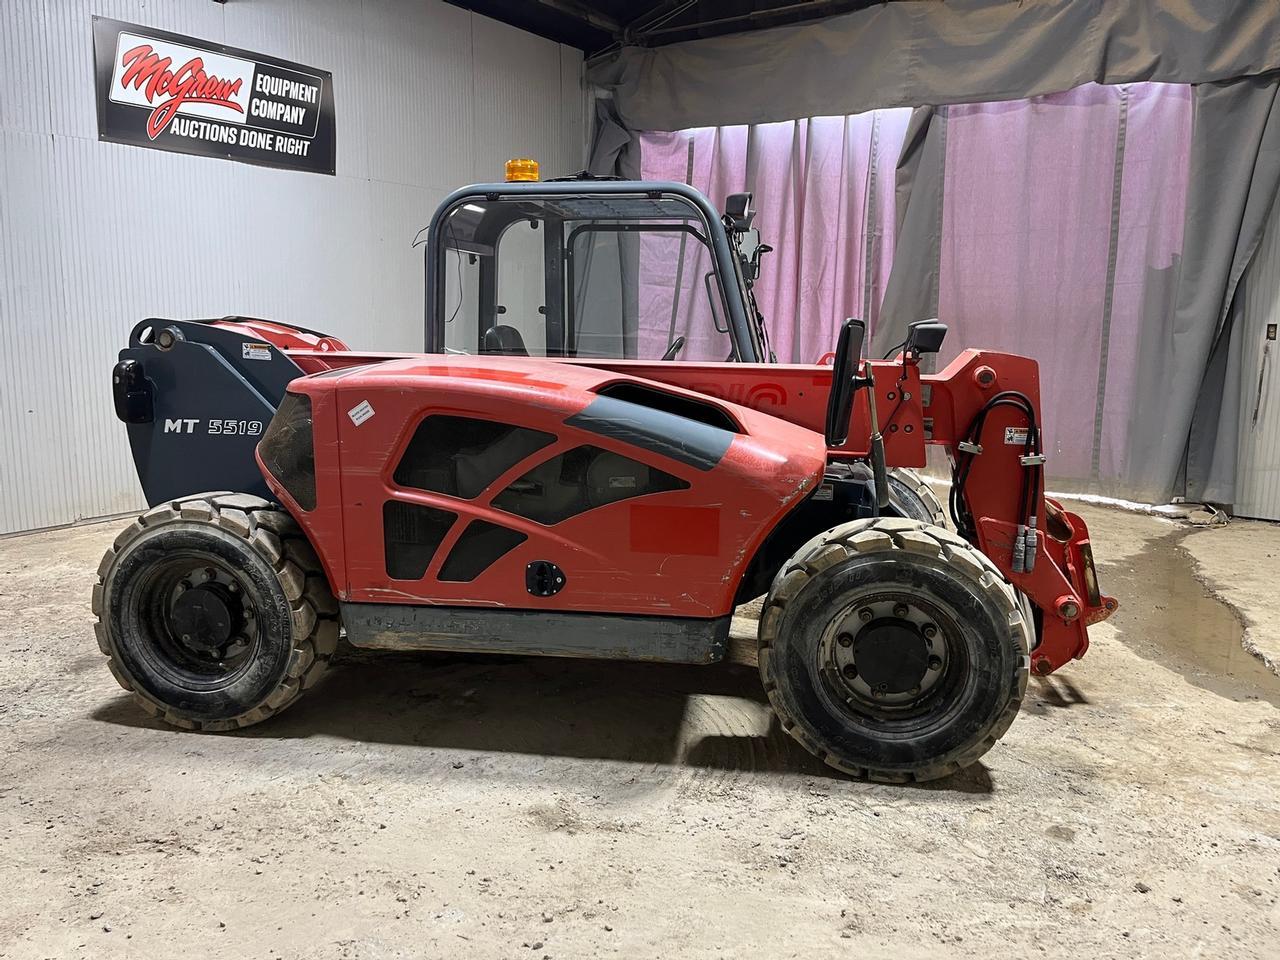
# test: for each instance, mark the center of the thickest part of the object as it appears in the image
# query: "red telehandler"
(596, 457)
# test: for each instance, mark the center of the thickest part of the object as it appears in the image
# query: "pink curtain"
(824, 195)
(1040, 196)
(1061, 230)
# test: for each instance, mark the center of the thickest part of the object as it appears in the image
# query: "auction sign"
(162, 90)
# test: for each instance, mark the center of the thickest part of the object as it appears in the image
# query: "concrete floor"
(502, 808)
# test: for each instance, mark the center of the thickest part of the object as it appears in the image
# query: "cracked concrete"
(496, 807)
(1240, 563)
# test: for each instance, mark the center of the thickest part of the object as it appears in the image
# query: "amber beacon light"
(522, 169)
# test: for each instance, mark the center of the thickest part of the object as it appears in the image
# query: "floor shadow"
(703, 717)
(1056, 691)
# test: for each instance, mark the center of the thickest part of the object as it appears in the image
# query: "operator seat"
(504, 340)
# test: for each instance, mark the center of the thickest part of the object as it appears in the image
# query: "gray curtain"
(958, 51)
(1235, 172)
(912, 291)
(615, 152)
(974, 51)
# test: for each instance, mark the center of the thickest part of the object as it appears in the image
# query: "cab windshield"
(614, 276)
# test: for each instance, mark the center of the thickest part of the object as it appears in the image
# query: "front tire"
(213, 611)
(910, 495)
(892, 649)
(914, 497)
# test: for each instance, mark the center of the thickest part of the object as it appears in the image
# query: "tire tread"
(924, 491)
(909, 536)
(274, 535)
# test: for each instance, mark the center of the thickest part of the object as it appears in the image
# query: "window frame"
(744, 346)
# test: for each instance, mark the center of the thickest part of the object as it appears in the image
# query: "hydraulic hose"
(1025, 543)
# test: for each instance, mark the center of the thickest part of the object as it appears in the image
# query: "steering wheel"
(676, 346)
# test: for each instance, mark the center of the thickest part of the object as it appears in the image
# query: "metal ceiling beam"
(654, 17)
(808, 9)
(583, 12)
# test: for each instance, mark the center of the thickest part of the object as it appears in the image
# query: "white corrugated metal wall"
(95, 236)
(1258, 469)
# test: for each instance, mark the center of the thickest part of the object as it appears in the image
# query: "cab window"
(612, 276)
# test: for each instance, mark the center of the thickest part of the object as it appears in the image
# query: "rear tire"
(214, 612)
(892, 649)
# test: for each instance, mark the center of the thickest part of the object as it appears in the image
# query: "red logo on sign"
(188, 84)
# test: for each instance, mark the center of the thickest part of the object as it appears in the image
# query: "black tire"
(914, 498)
(910, 495)
(277, 620)
(981, 635)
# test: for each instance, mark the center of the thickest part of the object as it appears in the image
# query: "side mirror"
(925, 336)
(844, 381)
(737, 210)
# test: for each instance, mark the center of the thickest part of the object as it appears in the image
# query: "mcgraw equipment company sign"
(162, 90)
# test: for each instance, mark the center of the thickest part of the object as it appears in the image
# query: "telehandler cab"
(595, 458)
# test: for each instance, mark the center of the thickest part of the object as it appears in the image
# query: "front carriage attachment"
(197, 395)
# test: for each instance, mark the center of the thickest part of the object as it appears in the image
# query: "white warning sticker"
(1015, 436)
(255, 351)
(361, 412)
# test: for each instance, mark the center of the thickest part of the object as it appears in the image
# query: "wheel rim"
(891, 656)
(200, 618)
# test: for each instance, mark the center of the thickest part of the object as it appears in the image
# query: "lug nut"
(935, 662)
(929, 631)
(915, 691)
(900, 611)
(850, 671)
(185, 585)
(844, 640)
(865, 614)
